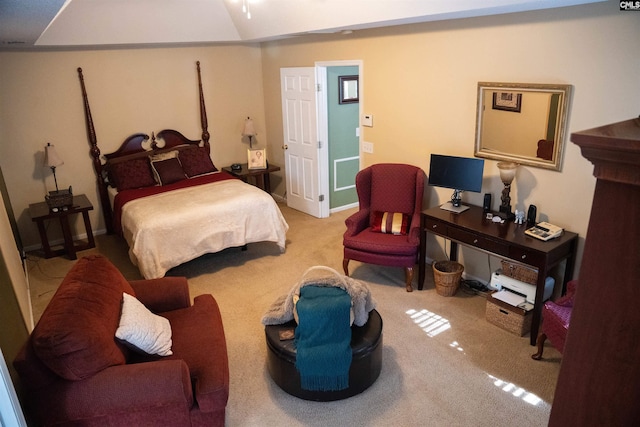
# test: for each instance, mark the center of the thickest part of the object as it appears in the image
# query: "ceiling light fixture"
(246, 8)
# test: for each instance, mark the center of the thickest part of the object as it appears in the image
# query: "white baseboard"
(57, 242)
(343, 208)
(278, 198)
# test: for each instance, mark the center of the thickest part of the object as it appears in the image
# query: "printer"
(500, 281)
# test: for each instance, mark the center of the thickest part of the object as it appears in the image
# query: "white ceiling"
(46, 24)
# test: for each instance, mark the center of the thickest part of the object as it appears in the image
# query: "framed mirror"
(522, 123)
(348, 88)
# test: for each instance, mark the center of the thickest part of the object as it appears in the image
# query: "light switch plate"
(367, 120)
(367, 147)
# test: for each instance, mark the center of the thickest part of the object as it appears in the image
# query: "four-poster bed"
(165, 196)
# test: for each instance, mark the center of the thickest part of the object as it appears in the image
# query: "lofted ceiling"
(48, 24)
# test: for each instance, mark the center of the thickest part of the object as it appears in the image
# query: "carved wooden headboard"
(135, 145)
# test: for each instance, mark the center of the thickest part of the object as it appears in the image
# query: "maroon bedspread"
(127, 195)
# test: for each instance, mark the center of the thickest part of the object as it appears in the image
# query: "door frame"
(323, 126)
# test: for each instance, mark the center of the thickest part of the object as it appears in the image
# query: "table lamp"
(52, 160)
(249, 130)
(507, 174)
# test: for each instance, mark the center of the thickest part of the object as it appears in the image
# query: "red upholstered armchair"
(370, 237)
(74, 371)
(556, 316)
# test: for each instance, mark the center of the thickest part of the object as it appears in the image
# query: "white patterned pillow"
(142, 329)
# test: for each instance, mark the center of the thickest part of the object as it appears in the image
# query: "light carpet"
(443, 363)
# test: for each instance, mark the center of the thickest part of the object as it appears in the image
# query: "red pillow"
(135, 173)
(75, 336)
(196, 161)
(168, 171)
(391, 223)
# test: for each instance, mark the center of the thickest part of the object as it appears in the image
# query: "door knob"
(286, 147)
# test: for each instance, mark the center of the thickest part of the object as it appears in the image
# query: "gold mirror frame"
(523, 123)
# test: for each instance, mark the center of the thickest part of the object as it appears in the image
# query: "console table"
(506, 240)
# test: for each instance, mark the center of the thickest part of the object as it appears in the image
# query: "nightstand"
(261, 175)
(40, 212)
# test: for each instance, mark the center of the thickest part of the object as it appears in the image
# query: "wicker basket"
(512, 319)
(519, 272)
(59, 199)
(446, 276)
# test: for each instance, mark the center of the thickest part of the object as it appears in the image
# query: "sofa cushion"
(75, 337)
(142, 330)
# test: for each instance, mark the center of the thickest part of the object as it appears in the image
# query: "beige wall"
(419, 83)
(130, 91)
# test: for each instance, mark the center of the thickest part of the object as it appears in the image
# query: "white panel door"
(300, 129)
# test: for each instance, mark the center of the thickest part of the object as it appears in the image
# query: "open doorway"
(339, 126)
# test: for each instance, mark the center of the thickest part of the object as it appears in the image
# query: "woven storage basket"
(512, 319)
(446, 276)
(59, 199)
(519, 272)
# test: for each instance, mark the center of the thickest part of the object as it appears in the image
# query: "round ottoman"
(366, 345)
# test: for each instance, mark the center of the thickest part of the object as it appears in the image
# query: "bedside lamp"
(507, 174)
(249, 130)
(52, 160)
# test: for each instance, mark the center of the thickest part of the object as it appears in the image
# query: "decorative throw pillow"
(168, 171)
(143, 330)
(134, 173)
(390, 222)
(196, 161)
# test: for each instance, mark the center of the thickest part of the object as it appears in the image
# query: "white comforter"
(168, 229)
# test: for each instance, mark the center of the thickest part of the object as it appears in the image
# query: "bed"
(171, 204)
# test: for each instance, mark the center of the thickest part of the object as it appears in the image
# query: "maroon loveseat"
(74, 371)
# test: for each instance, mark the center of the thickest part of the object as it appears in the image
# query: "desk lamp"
(507, 174)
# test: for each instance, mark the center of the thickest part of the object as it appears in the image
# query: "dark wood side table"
(508, 241)
(40, 212)
(261, 175)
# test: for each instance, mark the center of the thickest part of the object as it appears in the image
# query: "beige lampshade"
(507, 171)
(249, 128)
(51, 158)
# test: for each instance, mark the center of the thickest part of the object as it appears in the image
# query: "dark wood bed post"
(97, 164)
(203, 113)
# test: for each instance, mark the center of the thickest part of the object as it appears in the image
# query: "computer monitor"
(459, 173)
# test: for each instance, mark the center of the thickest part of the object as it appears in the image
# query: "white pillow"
(164, 156)
(142, 329)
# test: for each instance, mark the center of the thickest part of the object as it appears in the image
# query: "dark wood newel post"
(203, 113)
(599, 381)
(95, 153)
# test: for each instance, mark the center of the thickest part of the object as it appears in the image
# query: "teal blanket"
(323, 338)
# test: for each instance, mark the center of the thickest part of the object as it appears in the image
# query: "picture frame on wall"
(507, 101)
(257, 159)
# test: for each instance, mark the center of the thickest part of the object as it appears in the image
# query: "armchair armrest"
(567, 299)
(357, 222)
(163, 294)
(124, 389)
(414, 228)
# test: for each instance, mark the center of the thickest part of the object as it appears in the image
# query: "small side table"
(40, 212)
(261, 175)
